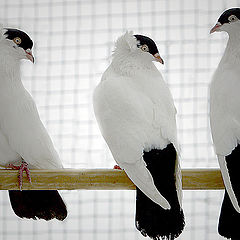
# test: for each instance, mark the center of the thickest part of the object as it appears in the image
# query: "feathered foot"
(23, 167)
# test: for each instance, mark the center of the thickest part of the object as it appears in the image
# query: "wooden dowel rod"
(101, 179)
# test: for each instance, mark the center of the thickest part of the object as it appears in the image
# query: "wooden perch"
(101, 179)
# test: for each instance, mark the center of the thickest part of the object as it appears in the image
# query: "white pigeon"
(225, 121)
(24, 141)
(136, 115)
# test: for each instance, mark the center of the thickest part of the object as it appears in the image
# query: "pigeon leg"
(117, 167)
(23, 167)
(13, 167)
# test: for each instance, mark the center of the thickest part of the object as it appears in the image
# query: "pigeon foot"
(23, 167)
(117, 167)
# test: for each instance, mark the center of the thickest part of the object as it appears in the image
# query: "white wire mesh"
(73, 43)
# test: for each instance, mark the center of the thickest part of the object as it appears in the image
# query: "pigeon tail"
(151, 219)
(42, 204)
(229, 219)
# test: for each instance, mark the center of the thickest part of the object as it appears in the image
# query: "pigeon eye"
(145, 48)
(17, 40)
(232, 18)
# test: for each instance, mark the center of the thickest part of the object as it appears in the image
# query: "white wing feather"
(227, 182)
(142, 178)
(225, 109)
(24, 132)
(178, 177)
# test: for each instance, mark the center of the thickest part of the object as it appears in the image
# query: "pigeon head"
(17, 44)
(147, 45)
(137, 46)
(229, 21)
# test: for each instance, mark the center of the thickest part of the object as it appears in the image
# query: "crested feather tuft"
(127, 42)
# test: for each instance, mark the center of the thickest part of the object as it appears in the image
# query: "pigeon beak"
(216, 28)
(29, 55)
(158, 58)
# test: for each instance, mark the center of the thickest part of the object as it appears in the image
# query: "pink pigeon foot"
(117, 167)
(23, 167)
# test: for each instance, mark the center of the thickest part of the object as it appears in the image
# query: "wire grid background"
(73, 44)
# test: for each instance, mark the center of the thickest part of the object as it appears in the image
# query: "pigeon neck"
(232, 52)
(9, 71)
(131, 65)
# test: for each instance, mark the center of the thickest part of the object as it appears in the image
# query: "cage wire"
(73, 44)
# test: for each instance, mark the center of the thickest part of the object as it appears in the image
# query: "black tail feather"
(43, 204)
(229, 221)
(151, 219)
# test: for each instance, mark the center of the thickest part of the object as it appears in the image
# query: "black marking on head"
(143, 40)
(224, 18)
(26, 41)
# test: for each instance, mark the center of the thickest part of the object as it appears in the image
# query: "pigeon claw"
(117, 167)
(23, 167)
(13, 167)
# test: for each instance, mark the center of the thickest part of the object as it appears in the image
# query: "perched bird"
(225, 121)
(136, 115)
(24, 141)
